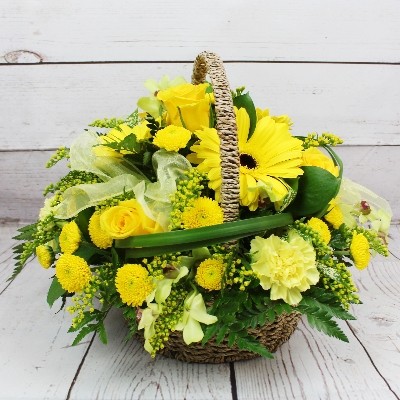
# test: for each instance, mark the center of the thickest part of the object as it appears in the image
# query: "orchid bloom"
(194, 313)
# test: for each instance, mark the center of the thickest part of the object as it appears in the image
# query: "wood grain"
(48, 105)
(98, 30)
(378, 324)
(23, 177)
(313, 366)
(124, 370)
(36, 360)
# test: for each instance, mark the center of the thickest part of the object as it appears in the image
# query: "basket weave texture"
(271, 335)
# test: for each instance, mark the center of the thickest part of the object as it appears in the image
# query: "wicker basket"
(271, 335)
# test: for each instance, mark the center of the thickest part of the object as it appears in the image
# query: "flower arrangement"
(138, 224)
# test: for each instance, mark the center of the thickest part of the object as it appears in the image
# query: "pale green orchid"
(147, 320)
(350, 201)
(194, 313)
(164, 286)
(151, 104)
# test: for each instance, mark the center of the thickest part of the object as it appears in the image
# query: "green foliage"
(239, 311)
(82, 220)
(27, 232)
(108, 123)
(317, 187)
(91, 322)
(60, 154)
(132, 119)
(246, 102)
(129, 144)
(55, 292)
(320, 307)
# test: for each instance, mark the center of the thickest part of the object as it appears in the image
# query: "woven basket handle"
(226, 126)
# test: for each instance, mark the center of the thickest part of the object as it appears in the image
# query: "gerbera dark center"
(246, 160)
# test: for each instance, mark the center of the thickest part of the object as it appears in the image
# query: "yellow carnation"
(202, 212)
(45, 255)
(209, 274)
(134, 284)
(99, 237)
(321, 227)
(316, 158)
(335, 217)
(287, 268)
(127, 219)
(70, 238)
(72, 272)
(172, 138)
(359, 250)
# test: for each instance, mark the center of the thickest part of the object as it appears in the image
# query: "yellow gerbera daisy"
(209, 274)
(202, 212)
(269, 155)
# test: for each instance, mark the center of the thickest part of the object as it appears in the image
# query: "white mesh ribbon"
(120, 176)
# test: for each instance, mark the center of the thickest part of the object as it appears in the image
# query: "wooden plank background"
(332, 66)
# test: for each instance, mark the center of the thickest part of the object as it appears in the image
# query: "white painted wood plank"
(378, 323)
(312, 366)
(46, 106)
(36, 360)
(99, 30)
(23, 177)
(124, 370)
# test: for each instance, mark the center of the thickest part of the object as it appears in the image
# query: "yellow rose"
(127, 219)
(316, 158)
(189, 103)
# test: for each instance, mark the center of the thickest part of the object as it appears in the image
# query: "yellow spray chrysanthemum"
(269, 155)
(72, 272)
(209, 274)
(44, 255)
(134, 284)
(70, 238)
(172, 138)
(335, 217)
(359, 250)
(99, 237)
(321, 227)
(202, 212)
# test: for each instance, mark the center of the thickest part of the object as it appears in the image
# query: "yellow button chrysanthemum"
(44, 255)
(335, 217)
(133, 284)
(99, 237)
(209, 274)
(321, 227)
(359, 250)
(202, 212)
(172, 138)
(72, 272)
(70, 238)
